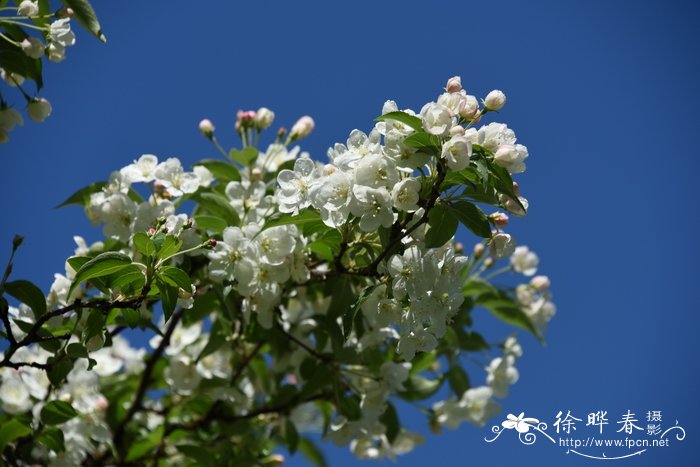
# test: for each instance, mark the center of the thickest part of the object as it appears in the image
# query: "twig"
(146, 379)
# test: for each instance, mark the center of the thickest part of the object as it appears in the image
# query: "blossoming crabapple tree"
(29, 31)
(294, 296)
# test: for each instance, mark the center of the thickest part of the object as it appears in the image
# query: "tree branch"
(146, 379)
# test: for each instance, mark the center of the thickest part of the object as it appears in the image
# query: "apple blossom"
(33, 47)
(495, 100)
(39, 109)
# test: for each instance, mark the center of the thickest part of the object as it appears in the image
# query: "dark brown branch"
(105, 306)
(146, 379)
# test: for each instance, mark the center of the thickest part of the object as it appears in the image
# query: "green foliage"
(57, 412)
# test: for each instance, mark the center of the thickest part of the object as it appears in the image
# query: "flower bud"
(245, 119)
(470, 108)
(151, 231)
(17, 241)
(454, 84)
(264, 118)
(540, 283)
(273, 459)
(488, 263)
(32, 47)
(65, 13)
(211, 243)
(457, 130)
(12, 79)
(206, 127)
(302, 128)
(478, 250)
(39, 109)
(256, 175)
(101, 403)
(459, 247)
(499, 219)
(281, 132)
(502, 245)
(495, 100)
(28, 8)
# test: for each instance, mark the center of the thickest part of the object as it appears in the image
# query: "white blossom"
(495, 100)
(524, 261)
(437, 119)
(457, 151)
(39, 109)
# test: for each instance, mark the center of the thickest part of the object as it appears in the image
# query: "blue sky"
(604, 94)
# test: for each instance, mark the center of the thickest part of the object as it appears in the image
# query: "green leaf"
(423, 142)
(29, 294)
(510, 312)
(82, 196)
(471, 217)
(94, 324)
(390, 419)
(472, 341)
(291, 436)
(312, 453)
(169, 247)
(464, 177)
(76, 350)
(52, 438)
(443, 225)
(132, 317)
(57, 412)
(304, 217)
(422, 361)
(503, 182)
(411, 120)
(245, 156)
(176, 277)
(86, 17)
(418, 387)
(168, 295)
(222, 170)
(101, 265)
(11, 431)
(201, 455)
(14, 60)
(144, 244)
(350, 407)
(458, 379)
(219, 206)
(129, 280)
(210, 223)
(349, 318)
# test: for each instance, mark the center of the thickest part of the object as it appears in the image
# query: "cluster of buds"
(245, 119)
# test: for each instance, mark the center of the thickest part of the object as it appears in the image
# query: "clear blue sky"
(604, 94)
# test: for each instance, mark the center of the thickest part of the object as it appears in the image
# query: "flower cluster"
(296, 295)
(23, 51)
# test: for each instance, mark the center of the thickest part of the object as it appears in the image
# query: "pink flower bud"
(495, 100)
(256, 174)
(479, 250)
(206, 127)
(302, 128)
(212, 242)
(499, 219)
(457, 130)
(540, 282)
(454, 84)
